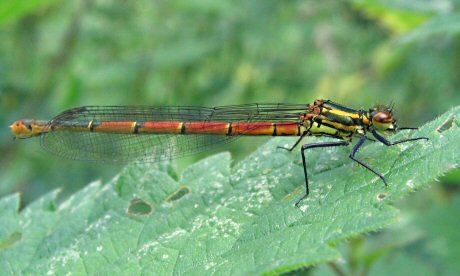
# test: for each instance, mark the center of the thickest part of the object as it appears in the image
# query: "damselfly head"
(382, 118)
(23, 128)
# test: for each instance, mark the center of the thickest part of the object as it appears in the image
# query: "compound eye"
(383, 118)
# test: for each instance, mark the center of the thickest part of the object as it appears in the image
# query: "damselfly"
(126, 134)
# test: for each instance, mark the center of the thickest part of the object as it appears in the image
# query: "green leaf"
(444, 26)
(397, 16)
(8, 213)
(441, 246)
(401, 263)
(11, 10)
(426, 242)
(218, 220)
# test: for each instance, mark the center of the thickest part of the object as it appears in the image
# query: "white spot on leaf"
(410, 183)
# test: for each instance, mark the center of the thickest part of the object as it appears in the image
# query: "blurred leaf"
(432, 248)
(9, 207)
(203, 5)
(401, 263)
(397, 16)
(442, 240)
(444, 26)
(183, 53)
(212, 221)
(452, 178)
(12, 10)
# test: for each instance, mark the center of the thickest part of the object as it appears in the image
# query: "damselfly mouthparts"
(126, 134)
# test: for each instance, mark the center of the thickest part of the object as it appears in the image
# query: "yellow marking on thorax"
(317, 129)
(366, 120)
(344, 113)
(340, 126)
(302, 129)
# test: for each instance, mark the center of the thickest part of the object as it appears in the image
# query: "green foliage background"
(60, 54)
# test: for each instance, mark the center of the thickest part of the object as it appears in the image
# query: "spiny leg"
(295, 144)
(315, 145)
(389, 143)
(352, 156)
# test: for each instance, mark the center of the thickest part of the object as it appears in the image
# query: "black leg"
(352, 156)
(389, 143)
(407, 128)
(295, 144)
(369, 139)
(315, 145)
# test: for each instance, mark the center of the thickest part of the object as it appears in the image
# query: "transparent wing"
(128, 147)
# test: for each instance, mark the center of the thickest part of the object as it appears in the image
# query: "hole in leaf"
(181, 192)
(139, 207)
(11, 240)
(382, 196)
(448, 124)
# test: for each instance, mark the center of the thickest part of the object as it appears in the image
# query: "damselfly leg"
(352, 156)
(355, 150)
(310, 146)
(389, 143)
(295, 144)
